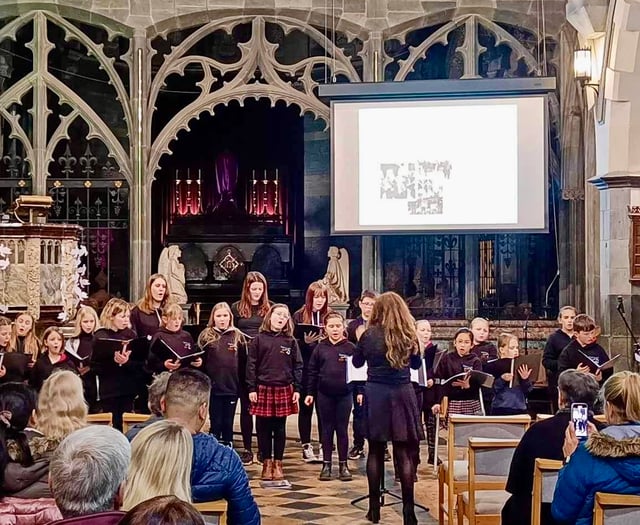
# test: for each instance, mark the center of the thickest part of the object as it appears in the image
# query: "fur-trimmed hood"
(621, 444)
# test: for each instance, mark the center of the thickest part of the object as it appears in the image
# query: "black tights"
(334, 413)
(271, 436)
(403, 455)
(246, 419)
(305, 415)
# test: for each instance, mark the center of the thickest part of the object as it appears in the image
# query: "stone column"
(140, 191)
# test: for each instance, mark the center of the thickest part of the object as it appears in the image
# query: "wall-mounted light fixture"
(583, 67)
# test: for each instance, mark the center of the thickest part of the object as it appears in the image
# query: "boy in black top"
(355, 329)
(555, 345)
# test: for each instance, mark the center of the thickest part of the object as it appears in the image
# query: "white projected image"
(438, 165)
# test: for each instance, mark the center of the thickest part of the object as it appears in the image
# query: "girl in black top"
(51, 358)
(274, 371)
(174, 337)
(248, 315)
(556, 343)
(5, 340)
(221, 340)
(389, 346)
(463, 394)
(428, 351)
(23, 337)
(80, 344)
(327, 384)
(117, 377)
(315, 308)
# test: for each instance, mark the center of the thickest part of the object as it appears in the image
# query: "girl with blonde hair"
(389, 346)
(23, 337)
(161, 457)
(61, 407)
(79, 346)
(608, 461)
(222, 343)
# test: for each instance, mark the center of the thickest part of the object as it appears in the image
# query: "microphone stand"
(636, 344)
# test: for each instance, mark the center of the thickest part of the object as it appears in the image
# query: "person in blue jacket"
(608, 461)
(217, 472)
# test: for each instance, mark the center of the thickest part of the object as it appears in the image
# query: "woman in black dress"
(389, 346)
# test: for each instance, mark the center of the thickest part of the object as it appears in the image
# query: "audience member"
(608, 461)
(217, 471)
(161, 456)
(156, 390)
(544, 439)
(24, 466)
(87, 473)
(165, 510)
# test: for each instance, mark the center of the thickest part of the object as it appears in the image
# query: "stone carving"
(337, 276)
(170, 266)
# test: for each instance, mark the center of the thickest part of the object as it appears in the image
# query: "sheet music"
(355, 374)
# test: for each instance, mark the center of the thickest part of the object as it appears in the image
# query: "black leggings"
(246, 419)
(305, 415)
(403, 456)
(359, 422)
(334, 414)
(272, 434)
(222, 410)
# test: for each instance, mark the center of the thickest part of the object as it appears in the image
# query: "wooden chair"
(489, 463)
(616, 509)
(542, 417)
(600, 418)
(129, 419)
(214, 508)
(105, 418)
(545, 476)
(453, 481)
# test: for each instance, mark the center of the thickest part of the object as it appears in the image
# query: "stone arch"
(257, 54)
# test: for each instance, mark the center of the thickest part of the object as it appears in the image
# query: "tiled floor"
(311, 501)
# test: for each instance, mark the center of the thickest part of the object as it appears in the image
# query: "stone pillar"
(140, 191)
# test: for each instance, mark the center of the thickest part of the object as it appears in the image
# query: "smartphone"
(579, 418)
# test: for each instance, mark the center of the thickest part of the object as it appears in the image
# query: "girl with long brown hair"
(389, 346)
(313, 312)
(248, 314)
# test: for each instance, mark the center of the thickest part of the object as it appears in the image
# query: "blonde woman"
(117, 377)
(79, 346)
(61, 407)
(23, 338)
(161, 457)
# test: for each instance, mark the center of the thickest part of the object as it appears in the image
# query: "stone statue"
(337, 276)
(170, 266)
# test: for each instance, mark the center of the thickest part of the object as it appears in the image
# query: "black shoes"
(356, 453)
(325, 473)
(344, 474)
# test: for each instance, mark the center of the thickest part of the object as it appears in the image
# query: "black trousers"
(272, 434)
(507, 412)
(222, 410)
(246, 419)
(334, 414)
(359, 423)
(117, 406)
(305, 416)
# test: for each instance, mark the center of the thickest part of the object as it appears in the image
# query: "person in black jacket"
(584, 348)
(172, 335)
(52, 357)
(5, 340)
(248, 315)
(117, 377)
(544, 440)
(429, 395)
(355, 329)
(327, 385)
(482, 347)
(314, 310)
(389, 346)
(221, 342)
(274, 372)
(552, 350)
(78, 348)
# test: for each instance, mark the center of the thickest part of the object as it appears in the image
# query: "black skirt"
(392, 413)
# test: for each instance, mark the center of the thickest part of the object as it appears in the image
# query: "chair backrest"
(491, 457)
(600, 418)
(542, 417)
(215, 512)
(545, 477)
(105, 418)
(616, 509)
(461, 428)
(129, 419)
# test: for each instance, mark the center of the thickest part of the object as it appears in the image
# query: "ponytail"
(622, 392)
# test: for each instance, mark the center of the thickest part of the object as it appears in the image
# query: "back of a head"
(163, 510)
(622, 392)
(577, 387)
(392, 314)
(157, 390)
(161, 456)
(61, 405)
(187, 390)
(87, 470)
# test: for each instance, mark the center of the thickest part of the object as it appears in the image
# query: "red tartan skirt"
(274, 401)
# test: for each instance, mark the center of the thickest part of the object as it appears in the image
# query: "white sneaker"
(307, 453)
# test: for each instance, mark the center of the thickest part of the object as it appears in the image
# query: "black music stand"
(636, 344)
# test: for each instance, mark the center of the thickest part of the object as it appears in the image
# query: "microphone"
(620, 306)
